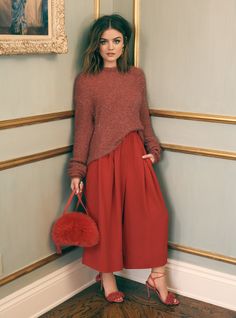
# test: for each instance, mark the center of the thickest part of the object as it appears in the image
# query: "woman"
(115, 147)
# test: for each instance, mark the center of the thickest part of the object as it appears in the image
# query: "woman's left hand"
(150, 156)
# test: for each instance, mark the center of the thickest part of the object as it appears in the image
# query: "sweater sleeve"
(83, 127)
(151, 142)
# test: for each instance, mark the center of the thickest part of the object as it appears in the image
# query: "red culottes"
(123, 196)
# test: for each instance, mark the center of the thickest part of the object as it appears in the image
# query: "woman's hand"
(76, 185)
(150, 156)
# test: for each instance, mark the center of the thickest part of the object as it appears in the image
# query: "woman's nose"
(110, 46)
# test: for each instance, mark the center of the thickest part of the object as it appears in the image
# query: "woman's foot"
(111, 292)
(157, 282)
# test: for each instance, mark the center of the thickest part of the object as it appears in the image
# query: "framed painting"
(32, 27)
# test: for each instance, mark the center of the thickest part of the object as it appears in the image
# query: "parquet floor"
(90, 303)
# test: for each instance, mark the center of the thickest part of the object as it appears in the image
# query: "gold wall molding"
(136, 19)
(222, 119)
(7, 164)
(230, 155)
(97, 5)
(203, 253)
(36, 119)
(11, 163)
(171, 245)
(34, 266)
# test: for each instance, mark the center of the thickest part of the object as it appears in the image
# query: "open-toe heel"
(113, 297)
(170, 300)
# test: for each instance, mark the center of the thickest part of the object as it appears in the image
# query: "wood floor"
(90, 303)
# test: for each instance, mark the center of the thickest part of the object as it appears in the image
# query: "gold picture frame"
(19, 38)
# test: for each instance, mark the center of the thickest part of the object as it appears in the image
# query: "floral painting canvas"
(23, 17)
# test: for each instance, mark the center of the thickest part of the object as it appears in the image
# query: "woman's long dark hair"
(92, 60)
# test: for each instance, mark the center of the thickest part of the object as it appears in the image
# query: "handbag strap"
(77, 205)
(80, 201)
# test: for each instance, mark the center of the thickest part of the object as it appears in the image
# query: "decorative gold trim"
(223, 119)
(37, 119)
(136, 12)
(34, 266)
(203, 253)
(200, 151)
(171, 245)
(34, 157)
(171, 147)
(54, 42)
(97, 8)
(63, 150)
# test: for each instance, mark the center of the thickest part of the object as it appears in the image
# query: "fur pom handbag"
(74, 228)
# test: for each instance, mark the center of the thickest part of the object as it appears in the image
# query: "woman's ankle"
(160, 270)
(107, 274)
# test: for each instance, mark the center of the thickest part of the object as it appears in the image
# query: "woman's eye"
(102, 42)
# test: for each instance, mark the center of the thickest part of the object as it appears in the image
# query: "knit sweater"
(108, 106)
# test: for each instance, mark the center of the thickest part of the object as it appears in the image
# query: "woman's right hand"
(76, 185)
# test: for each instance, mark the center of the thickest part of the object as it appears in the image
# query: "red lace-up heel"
(113, 297)
(170, 299)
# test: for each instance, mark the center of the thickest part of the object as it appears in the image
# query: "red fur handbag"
(74, 228)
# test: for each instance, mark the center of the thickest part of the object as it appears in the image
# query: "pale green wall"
(187, 50)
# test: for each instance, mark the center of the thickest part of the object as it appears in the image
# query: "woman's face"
(110, 47)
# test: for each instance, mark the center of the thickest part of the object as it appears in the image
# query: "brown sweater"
(108, 106)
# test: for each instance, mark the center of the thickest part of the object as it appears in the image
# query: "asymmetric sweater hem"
(108, 106)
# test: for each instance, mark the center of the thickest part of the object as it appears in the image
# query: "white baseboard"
(196, 282)
(183, 278)
(47, 292)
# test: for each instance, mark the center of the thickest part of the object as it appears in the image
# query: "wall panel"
(187, 51)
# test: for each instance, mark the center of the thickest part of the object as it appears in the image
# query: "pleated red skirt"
(123, 196)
